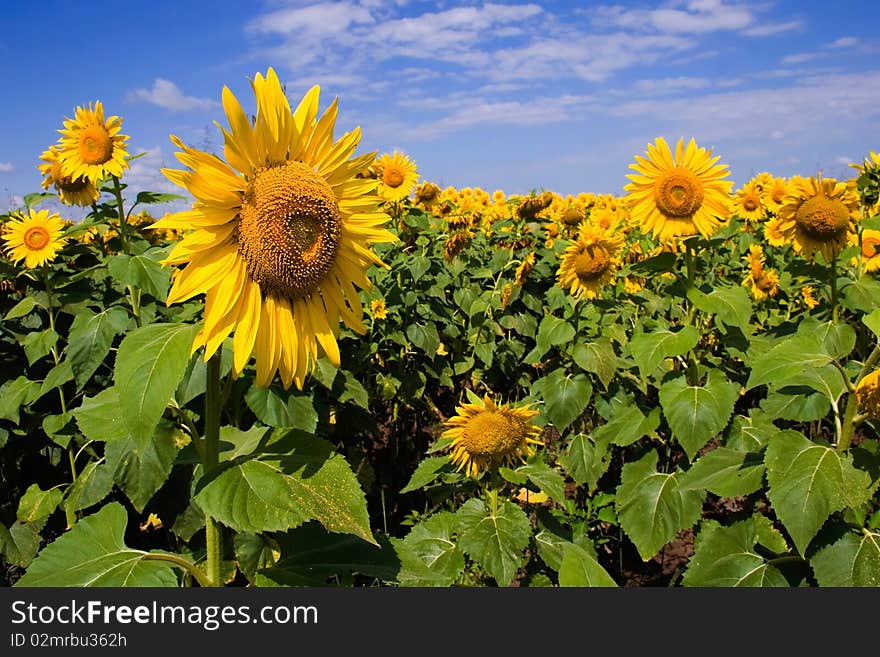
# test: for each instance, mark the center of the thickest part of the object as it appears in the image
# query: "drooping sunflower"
(34, 237)
(807, 297)
(747, 203)
(761, 282)
(868, 394)
(524, 269)
(678, 196)
(398, 175)
(280, 234)
(819, 215)
(81, 191)
(485, 434)
(590, 262)
(871, 249)
(92, 147)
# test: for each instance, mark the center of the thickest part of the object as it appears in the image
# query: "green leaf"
(553, 332)
(142, 271)
(872, 321)
(496, 541)
(425, 337)
(155, 197)
(296, 411)
(854, 560)
(787, 360)
(22, 308)
(650, 349)
(150, 362)
(750, 434)
(34, 199)
(725, 472)
(651, 507)
(251, 497)
(254, 552)
(426, 472)
(57, 377)
(37, 504)
(725, 556)
(586, 460)
(627, 424)
(802, 405)
(547, 479)
(19, 544)
(809, 482)
(580, 569)
(93, 553)
(38, 344)
(428, 555)
(597, 357)
(731, 305)
(768, 536)
(310, 555)
(16, 393)
(140, 469)
(59, 428)
(862, 295)
(91, 336)
(92, 485)
(235, 443)
(566, 397)
(98, 417)
(698, 413)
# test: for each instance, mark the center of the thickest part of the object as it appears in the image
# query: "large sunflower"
(398, 175)
(80, 191)
(92, 147)
(34, 237)
(281, 234)
(484, 434)
(590, 262)
(680, 196)
(819, 215)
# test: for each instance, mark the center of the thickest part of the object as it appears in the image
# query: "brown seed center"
(822, 218)
(678, 193)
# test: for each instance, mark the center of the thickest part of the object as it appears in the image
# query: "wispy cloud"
(6, 167)
(165, 94)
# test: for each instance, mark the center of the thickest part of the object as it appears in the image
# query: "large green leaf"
(496, 540)
(15, 393)
(426, 472)
(424, 336)
(92, 485)
(20, 542)
(854, 560)
(565, 397)
(93, 553)
(429, 555)
(140, 469)
(91, 336)
(282, 410)
(725, 472)
(649, 349)
(579, 568)
(787, 362)
(99, 419)
(38, 343)
(150, 363)
(586, 460)
(142, 271)
(37, 503)
(808, 482)
(310, 555)
(698, 413)
(731, 305)
(598, 357)
(651, 507)
(21, 309)
(726, 556)
(547, 479)
(627, 424)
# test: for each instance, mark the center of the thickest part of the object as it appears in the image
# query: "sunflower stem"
(850, 413)
(120, 213)
(57, 359)
(210, 460)
(690, 260)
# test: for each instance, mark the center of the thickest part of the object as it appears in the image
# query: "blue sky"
(513, 96)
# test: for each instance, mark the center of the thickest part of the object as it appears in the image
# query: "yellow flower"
(377, 307)
(505, 295)
(747, 203)
(868, 394)
(281, 235)
(871, 249)
(763, 283)
(524, 269)
(427, 195)
(819, 215)
(680, 196)
(397, 176)
(633, 284)
(774, 193)
(590, 262)
(455, 243)
(485, 434)
(81, 191)
(91, 147)
(773, 233)
(807, 295)
(34, 237)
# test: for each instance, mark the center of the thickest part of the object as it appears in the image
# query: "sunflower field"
(327, 371)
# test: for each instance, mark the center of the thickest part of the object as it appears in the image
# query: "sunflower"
(484, 434)
(807, 297)
(773, 233)
(378, 309)
(774, 193)
(79, 191)
(819, 215)
(680, 196)
(871, 249)
(456, 242)
(747, 203)
(762, 283)
(590, 262)
(34, 238)
(525, 268)
(868, 394)
(397, 176)
(91, 147)
(280, 234)
(427, 195)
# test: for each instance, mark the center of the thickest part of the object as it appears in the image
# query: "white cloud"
(323, 19)
(167, 95)
(844, 42)
(799, 58)
(698, 16)
(6, 167)
(772, 29)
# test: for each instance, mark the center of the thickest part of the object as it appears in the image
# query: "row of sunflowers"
(325, 360)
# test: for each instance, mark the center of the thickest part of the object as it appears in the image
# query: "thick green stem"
(210, 460)
(690, 259)
(57, 359)
(834, 307)
(850, 413)
(120, 213)
(190, 568)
